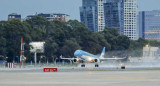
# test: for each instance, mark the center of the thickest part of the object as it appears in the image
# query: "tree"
(69, 48)
(2, 40)
(51, 49)
(111, 35)
(14, 29)
(63, 38)
(123, 42)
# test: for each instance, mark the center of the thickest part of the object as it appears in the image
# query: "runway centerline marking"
(127, 78)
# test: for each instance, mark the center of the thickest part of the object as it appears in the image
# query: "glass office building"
(87, 13)
(149, 25)
(92, 14)
(120, 14)
(112, 14)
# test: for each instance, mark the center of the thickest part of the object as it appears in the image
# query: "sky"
(71, 7)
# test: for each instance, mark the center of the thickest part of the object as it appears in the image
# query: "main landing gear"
(96, 65)
(83, 65)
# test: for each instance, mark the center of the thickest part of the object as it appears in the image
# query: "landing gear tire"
(123, 67)
(96, 65)
(83, 65)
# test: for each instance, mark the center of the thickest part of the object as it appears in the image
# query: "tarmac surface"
(81, 78)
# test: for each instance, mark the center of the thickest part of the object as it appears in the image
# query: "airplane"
(85, 57)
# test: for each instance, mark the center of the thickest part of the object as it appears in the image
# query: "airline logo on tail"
(103, 53)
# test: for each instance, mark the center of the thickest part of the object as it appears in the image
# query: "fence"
(11, 65)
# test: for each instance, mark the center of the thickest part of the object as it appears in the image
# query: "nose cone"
(77, 53)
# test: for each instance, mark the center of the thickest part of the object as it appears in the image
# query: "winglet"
(103, 53)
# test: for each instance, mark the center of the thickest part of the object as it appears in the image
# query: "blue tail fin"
(103, 53)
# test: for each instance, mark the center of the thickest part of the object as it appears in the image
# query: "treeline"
(61, 38)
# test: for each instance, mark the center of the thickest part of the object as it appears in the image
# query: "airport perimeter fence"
(39, 65)
(66, 64)
(2, 65)
(29, 65)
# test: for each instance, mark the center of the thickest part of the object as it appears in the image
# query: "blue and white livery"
(85, 57)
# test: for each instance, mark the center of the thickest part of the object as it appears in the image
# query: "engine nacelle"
(96, 60)
(75, 60)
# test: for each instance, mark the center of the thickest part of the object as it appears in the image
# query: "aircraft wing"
(105, 59)
(66, 58)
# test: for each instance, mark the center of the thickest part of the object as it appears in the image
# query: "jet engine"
(75, 60)
(96, 60)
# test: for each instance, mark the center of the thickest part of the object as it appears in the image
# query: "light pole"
(56, 61)
(41, 59)
(17, 59)
(7, 59)
(35, 58)
(53, 59)
(45, 60)
(148, 46)
(59, 61)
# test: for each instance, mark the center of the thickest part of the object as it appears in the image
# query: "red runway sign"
(50, 69)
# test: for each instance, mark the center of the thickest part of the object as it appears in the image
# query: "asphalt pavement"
(81, 78)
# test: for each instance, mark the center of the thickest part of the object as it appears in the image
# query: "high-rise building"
(92, 14)
(52, 16)
(149, 25)
(100, 19)
(112, 12)
(87, 13)
(128, 21)
(120, 14)
(14, 16)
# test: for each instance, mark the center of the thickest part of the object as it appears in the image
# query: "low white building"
(52, 16)
(150, 52)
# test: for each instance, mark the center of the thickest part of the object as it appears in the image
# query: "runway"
(85, 78)
(76, 76)
(79, 69)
